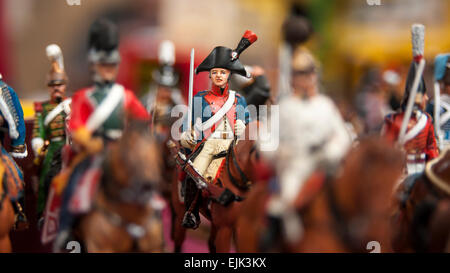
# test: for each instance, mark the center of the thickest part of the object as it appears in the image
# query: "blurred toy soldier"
(418, 138)
(159, 102)
(439, 108)
(256, 89)
(12, 122)
(98, 116)
(99, 112)
(49, 134)
(227, 118)
(313, 137)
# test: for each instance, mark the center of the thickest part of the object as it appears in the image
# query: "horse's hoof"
(190, 221)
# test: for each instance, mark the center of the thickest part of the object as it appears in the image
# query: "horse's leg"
(223, 239)
(212, 239)
(6, 224)
(5, 244)
(179, 232)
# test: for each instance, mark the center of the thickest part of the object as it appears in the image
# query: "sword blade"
(412, 96)
(191, 91)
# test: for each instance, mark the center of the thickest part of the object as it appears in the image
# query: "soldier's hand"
(95, 145)
(37, 144)
(19, 151)
(239, 128)
(188, 139)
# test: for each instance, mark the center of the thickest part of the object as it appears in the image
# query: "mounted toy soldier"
(12, 122)
(160, 100)
(98, 117)
(439, 108)
(216, 117)
(49, 134)
(412, 128)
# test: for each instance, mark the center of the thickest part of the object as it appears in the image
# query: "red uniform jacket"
(423, 142)
(82, 108)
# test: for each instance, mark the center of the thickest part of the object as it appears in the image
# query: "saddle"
(438, 172)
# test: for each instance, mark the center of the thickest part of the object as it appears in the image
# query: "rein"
(243, 177)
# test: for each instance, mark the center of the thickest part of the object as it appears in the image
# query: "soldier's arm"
(81, 136)
(134, 107)
(388, 131)
(242, 111)
(19, 148)
(37, 142)
(432, 149)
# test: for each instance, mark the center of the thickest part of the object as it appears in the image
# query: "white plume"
(54, 53)
(418, 39)
(166, 53)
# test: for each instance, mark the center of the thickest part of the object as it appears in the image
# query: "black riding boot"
(191, 218)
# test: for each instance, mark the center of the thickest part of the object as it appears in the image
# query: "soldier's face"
(219, 76)
(108, 72)
(57, 92)
(421, 100)
(305, 84)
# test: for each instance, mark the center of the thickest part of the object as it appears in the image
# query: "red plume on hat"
(247, 39)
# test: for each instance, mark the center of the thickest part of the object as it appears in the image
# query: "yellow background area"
(28, 109)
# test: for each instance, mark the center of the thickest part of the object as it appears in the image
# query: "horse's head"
(133, 166)
(363, 191)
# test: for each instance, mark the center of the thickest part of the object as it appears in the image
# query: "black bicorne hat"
(104, 42)
(224, 57)
(410, 81)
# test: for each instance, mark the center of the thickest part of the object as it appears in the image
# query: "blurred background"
(364, 49)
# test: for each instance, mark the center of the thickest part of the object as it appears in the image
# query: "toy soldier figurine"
(97, 118)
(219, 115)
(11, 121)
(49, 135)
(256, 89)
(159, 102)
(417, 137)
(439, 108)
(312, 138)
(100, 110)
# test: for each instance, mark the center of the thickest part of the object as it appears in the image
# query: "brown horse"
(422, 209)
(125, 215)
(6, 220)
(234, 179)
(347, 213)
(9, 190)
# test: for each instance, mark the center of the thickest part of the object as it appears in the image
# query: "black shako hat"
(224, 57)
(166, 75)
(409, 83)
(104, 42)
